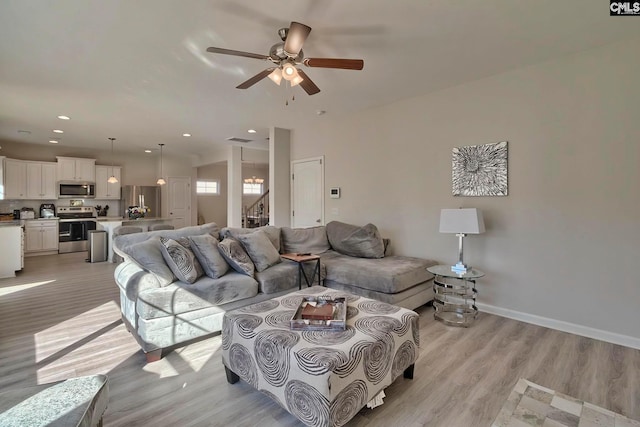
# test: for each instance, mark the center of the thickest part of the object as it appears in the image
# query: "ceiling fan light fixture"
(289, 71)
(296, 80)
(276, 76)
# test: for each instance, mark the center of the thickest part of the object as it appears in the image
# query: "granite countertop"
(119, 218)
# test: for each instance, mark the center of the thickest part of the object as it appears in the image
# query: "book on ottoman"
(320, 312)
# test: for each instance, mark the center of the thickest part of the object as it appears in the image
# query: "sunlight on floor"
(168, 366)
(95, 334)
(17, 288)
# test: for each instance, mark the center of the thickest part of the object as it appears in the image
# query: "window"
(248, 188)
(208, 187)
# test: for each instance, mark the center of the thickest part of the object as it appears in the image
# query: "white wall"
(213, 208)
(564, 244)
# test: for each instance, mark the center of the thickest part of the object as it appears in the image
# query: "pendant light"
(112, 179)
(161, 180)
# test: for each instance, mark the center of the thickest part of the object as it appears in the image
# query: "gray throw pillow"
(305, 240)
(236, 256)
(272, 232)
(361, 242)
(181, 259)
(148, 255)
(206, 249)
(260, 249)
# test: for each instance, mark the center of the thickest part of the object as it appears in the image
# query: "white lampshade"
(276, 76)
(289, 71)
(296, 80)
(463, 221)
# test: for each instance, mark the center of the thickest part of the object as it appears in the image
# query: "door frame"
(188, 219)
(291, 179)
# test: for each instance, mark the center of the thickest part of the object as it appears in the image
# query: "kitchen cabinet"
(15, 174)
(76, 169)
(41, 235)
(41, 180)
(104, 189)
(11, 259)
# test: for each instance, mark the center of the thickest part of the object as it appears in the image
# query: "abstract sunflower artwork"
(480, 170)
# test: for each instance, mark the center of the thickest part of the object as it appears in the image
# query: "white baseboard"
(560, 325)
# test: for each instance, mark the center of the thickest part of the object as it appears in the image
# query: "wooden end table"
(300, 259)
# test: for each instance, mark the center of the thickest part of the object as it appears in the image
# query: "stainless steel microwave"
(81, 190)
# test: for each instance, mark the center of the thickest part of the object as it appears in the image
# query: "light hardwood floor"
(60, 318)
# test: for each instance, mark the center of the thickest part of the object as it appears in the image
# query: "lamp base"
(459, 268)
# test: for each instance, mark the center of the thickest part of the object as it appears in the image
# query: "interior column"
(279, 177)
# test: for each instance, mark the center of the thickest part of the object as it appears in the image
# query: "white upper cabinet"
(76, 169)
(41, 180)
(15, 174)
(104, 189)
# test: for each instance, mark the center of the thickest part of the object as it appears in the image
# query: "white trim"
(560, 325)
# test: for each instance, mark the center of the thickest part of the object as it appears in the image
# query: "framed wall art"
(480, 170)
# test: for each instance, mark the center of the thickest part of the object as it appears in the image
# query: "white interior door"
(179, 195)
(307, 192)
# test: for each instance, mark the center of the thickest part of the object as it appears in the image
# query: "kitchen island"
(109, 223)
(12, 255)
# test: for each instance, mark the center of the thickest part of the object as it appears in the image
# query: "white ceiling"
(138, 70)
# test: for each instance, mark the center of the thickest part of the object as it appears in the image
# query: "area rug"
(532, 405)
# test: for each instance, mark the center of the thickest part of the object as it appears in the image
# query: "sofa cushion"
(304, 240)
(284, 276)
(363, 242)
(181, 259)
(389, 275)
(272, 232)
(148, 255)
(260, 249)
(236, 256)
(144, 248)
(205, 247)
(180, 297)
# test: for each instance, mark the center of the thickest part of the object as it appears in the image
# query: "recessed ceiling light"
(251, 131)
(186, 134)
(58, 131)
(147, 151)
(64, 117)
(53, 141)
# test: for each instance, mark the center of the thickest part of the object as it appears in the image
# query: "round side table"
(455, 295)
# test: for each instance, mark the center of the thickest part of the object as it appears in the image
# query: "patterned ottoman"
(321, 377)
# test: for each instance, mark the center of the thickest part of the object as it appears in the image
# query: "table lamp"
(461, 222)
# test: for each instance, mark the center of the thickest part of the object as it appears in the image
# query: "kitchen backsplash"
(7, 206)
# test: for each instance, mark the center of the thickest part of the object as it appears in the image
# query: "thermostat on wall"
(335, 192)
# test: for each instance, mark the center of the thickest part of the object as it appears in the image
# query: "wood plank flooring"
(60, 318)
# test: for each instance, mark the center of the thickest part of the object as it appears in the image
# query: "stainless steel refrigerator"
(141, 195)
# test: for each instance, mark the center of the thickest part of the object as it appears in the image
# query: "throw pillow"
(272, 232)
(206, 249)
(260, 249)
(236, 256)
(305, 240)
(148, 255)
(361, 242)
(180, 259)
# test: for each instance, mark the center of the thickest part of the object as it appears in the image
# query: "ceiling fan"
(286, 56)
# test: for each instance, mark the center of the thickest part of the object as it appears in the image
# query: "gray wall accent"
(564, 243)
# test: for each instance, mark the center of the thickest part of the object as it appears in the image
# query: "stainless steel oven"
(74, 226)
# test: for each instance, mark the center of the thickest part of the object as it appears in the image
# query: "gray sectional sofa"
(167, 298)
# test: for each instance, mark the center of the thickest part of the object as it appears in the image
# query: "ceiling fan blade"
(236, 53)
(296, 36)
(255, 79)
(344, 64)
(308, 85)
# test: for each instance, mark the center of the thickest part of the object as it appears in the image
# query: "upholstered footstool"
(321, 377)
(74, 402)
